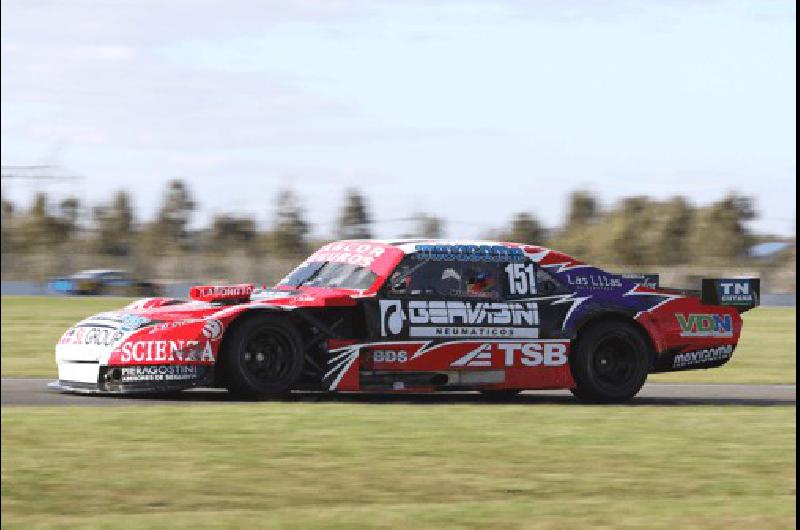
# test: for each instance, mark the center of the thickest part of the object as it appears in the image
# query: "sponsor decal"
(705, 356)
(521, 278)
(68, 337)
(389, 356)
(431, 318)
(644, 279)
(132, 322)
(91, 336)
(469, 253)
(161, 373)
(163, 326)
(705, 325)
(392, 317)
(594, 281)
(514, 354)
(359, 254)
(166, 351)
(213, 292)
(212, 329)
(735, 293)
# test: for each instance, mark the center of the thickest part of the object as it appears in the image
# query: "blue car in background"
(103, 282)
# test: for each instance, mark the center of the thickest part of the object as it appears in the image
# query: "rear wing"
(741, 293)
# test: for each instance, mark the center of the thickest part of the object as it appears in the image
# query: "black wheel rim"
(267, 357)
(614, 361)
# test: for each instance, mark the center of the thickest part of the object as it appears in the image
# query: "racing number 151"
(521, 278)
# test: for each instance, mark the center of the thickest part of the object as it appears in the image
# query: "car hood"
(101, 337)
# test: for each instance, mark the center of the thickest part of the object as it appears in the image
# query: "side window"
(548, 285)
(526, 279)
(457, 279)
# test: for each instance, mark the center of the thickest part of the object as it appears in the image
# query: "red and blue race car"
(413, 316)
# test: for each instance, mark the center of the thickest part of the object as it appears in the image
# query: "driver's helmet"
(400, 281)
(479, 282)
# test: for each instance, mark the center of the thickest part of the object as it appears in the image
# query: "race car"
(102, 282)
(414, 316)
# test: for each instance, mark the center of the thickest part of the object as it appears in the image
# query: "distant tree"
(229, 232)
(628, 229)
(428, 226)
(577, 236)
(114, 226)
(69, 212)
(39, 207)
(290, 228)
(175, 212)
(582, 209)
(719, 231)
(8, 208)
(354, 220)
(671, 229)
(524, 228)
(7, 226)
(39, 229)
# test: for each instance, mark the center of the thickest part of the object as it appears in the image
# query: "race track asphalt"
(28, 391)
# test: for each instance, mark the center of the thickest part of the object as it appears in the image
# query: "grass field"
(32, 325)
(354, 465)
(351, 465)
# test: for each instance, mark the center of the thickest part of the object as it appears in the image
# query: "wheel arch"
(611, 317)
(242, 316)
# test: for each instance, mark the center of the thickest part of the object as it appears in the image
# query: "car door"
(435, 299)
(525, 282)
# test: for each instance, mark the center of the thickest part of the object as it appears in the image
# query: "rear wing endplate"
(741, 293)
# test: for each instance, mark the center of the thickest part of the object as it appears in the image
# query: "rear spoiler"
(741, 293)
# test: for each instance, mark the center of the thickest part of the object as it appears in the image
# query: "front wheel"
(263, 356)
(610, 363)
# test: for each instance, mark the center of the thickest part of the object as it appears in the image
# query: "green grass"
(32, 325)
(354, 465)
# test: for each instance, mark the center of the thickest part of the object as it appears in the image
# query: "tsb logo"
(389, 356)
(515, 354)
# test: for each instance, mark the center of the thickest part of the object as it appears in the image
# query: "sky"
(467, 110)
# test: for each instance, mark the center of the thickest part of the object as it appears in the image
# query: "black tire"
(500, 395)
(609, 362)
(262, 357)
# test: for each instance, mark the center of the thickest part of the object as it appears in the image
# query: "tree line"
(635, 231)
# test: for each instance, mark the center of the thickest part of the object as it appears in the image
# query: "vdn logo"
(392, 317)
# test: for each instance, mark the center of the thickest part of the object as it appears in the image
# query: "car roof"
(409, 246)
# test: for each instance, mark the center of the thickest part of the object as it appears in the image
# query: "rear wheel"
(609, 363)
(261, 357)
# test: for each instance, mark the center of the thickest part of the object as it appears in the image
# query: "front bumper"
(92, 378)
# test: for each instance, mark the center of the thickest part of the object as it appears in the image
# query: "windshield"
(330, 274)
